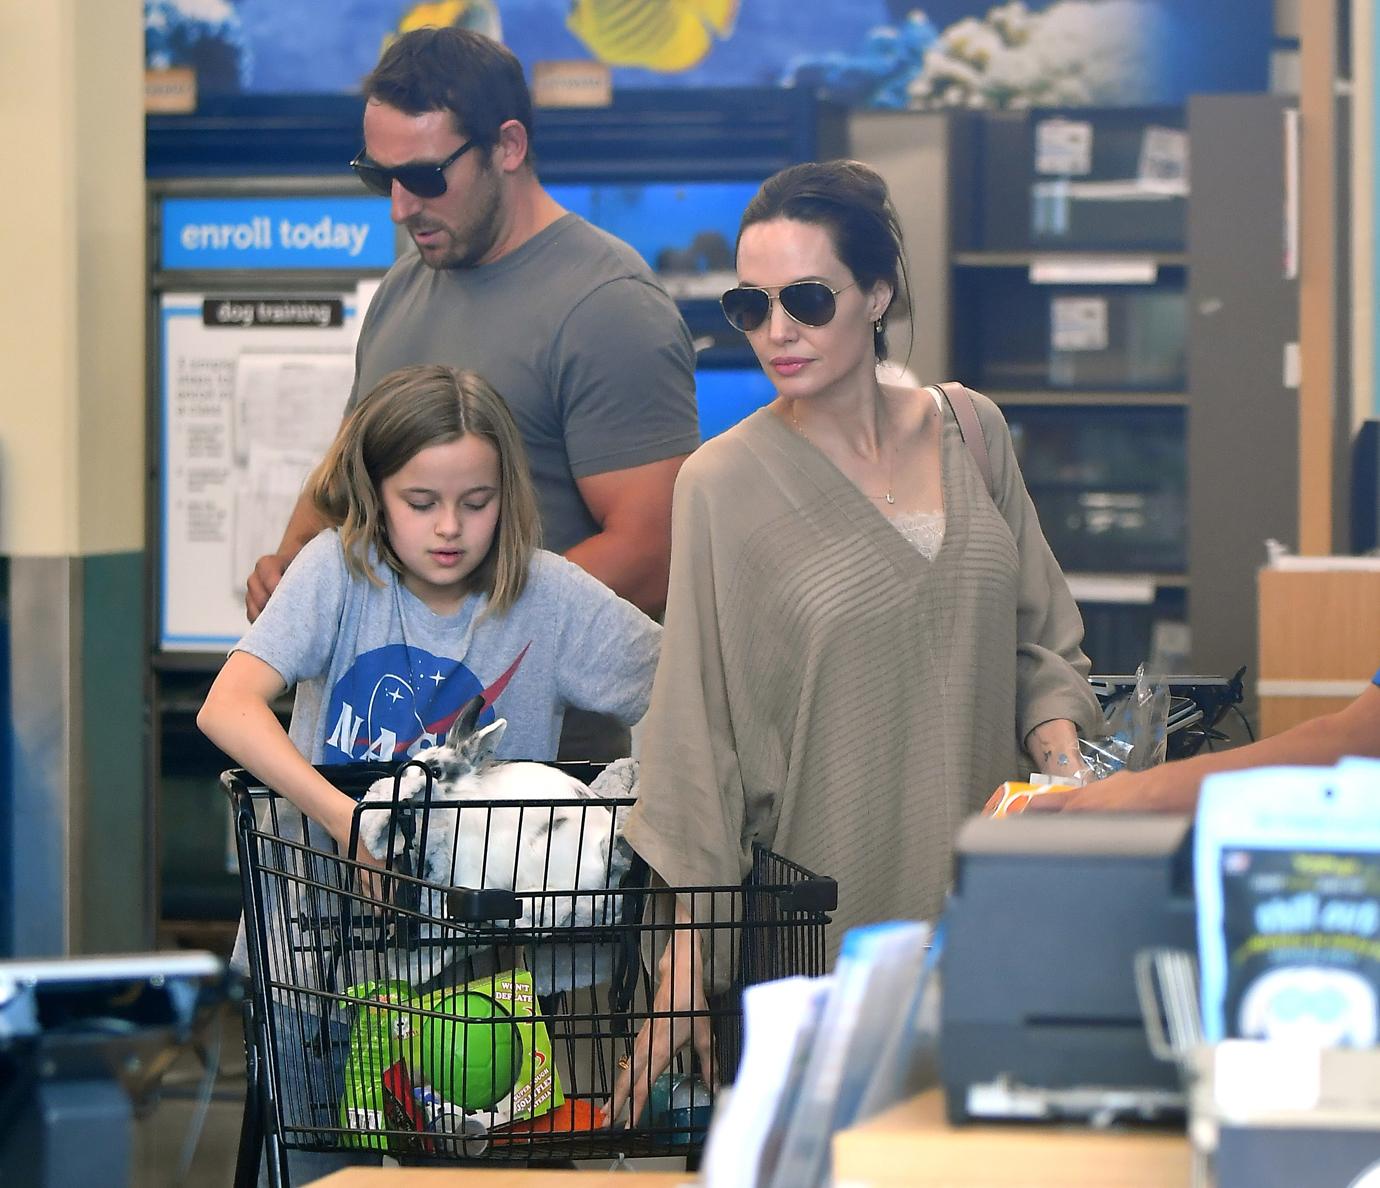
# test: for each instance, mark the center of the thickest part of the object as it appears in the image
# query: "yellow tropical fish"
(665, 35)
(479, 15)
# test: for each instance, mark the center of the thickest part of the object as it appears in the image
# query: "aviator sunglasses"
(424, 180)
(811, 303)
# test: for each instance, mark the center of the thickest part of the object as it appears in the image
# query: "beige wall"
(910, 150)
(72, 297)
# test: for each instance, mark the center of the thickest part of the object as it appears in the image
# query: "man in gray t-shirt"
(573, 331)
(567, 323)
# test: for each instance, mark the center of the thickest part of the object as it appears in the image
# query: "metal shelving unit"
(1009, 287)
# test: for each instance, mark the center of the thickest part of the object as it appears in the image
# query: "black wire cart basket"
(473, 997)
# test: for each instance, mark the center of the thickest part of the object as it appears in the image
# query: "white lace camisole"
(924, 530)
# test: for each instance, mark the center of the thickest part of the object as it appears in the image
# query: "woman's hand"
(1053, 749)
(679, 1015)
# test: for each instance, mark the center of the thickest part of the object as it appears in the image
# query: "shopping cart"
(395, 1012)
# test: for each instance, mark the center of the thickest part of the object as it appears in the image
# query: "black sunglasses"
(424, 180)
(811, 303)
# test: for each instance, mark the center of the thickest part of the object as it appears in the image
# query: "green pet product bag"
(377, 1038)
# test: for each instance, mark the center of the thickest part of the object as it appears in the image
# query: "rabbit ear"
(465, 721)
(479, 748)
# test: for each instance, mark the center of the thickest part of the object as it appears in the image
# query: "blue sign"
(276, 233)
(726, 395)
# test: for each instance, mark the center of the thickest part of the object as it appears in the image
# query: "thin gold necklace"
(889, 497)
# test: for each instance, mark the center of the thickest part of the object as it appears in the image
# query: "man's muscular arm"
(631, 552)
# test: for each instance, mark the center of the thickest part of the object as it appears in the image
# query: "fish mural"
(862, 53)
(663, 35)
(479, 15)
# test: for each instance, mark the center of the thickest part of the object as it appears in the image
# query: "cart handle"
(236, 789)
(809, 895)
(472, 905)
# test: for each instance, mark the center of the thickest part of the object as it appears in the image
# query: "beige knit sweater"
(825, 689)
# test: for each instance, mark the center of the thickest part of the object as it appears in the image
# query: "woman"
(860, 634)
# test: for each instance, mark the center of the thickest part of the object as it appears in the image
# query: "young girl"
(429, 591)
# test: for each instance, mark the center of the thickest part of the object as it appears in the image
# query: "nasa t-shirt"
(379, 675)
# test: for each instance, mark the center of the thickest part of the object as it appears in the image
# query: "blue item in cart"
(658, 1101)
(681, 1101)
(690, 1106)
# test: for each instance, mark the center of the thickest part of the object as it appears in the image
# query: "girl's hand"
(339, 823)
(370, 877)
(373, 886)
(238, 717)
(679, 993)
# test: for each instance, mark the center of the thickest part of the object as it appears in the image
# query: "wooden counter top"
(497, 1177)
(912, 1144)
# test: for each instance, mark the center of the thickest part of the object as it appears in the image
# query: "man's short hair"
(477, 80)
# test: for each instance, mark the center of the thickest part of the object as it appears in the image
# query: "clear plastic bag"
(1137, 728)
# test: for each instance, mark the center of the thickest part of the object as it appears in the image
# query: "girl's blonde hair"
(408, 411)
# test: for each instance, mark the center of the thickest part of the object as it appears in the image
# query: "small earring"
(877, 326)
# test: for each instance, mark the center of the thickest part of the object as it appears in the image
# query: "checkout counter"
(910, 1145)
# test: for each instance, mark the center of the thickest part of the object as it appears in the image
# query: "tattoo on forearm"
(1051, 761)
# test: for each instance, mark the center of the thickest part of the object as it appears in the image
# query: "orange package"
(1014, 795)
(576, 1114)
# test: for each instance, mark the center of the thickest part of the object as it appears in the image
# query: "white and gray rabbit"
(563, 840)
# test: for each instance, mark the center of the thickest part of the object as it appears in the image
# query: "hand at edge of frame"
(259, 585)
(1159, 790)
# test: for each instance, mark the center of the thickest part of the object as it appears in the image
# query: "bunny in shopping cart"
(457, 817)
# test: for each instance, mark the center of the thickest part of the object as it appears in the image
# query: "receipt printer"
(1039, 1013)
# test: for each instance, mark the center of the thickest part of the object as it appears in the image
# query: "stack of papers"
(824, 1053)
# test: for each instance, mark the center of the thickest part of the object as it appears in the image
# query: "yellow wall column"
(1318, 398)
(72, 310)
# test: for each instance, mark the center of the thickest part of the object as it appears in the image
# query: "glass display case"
(1109, 485)
(1012, 335)
(1069, 278)
(1080, 179)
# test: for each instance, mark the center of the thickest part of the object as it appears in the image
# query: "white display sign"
(253, 391)
(1163, 155)
(1078, 324)
(1063, 146)
(1093, 270)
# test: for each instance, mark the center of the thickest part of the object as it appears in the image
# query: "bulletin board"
(253, 388)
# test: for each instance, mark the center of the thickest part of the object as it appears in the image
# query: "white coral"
(1074, 52)
(211, 12)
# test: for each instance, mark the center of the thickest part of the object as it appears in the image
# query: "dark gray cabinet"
(1243, 317)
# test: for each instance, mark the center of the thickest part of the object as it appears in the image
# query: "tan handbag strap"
(969, 427)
